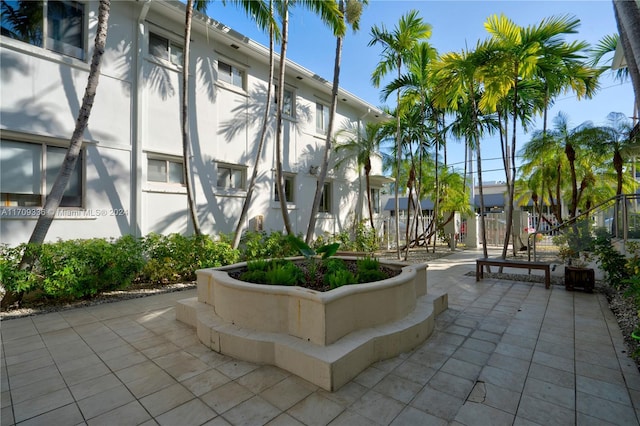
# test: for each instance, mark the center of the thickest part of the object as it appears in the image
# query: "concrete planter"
(324, 337)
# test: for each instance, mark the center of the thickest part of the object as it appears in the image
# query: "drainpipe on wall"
(137, 131)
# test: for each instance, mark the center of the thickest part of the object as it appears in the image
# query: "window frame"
(59, 46)
(375, 199)
(232, 168)
(170, 44)
(168, 161)
(47, 176)
(291, 113)
(232, 66)
(326, 204)
(290, 196)
(322, 128)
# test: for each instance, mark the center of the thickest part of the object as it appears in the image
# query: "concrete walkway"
(504, 353)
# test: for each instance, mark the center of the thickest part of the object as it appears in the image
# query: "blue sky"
(456, 24)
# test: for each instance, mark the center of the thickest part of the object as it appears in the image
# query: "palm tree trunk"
(327, 144)
(627, 14)
(279, 175)
(55, 196)
(398, 161)
(263, 136)
(186, 143)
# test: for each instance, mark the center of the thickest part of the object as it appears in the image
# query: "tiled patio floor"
(504, 353)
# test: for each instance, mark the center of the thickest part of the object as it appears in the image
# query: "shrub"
(370, 275)
(368, 263)
(284, 273)
(339, 278)
(612, 262)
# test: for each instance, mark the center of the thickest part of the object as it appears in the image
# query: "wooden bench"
(509, 263)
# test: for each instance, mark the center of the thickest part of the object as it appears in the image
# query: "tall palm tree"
(54, 198)
(519, 53)
(627, 14)
(362, 143)
(263, 134)
(458, 79)
(330, 15)
(614, 139)
(351, 14)
(397, 46)
(261, 14)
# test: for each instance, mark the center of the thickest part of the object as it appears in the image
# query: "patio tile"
(262, 378)
(131, 413)
(550, 392)
(605, 409)
(315, 409)
(105, 401)
(94, 386)
(453, 385)
(552, 375)
(472, 356)
(377, 407)
(460, 368)
(370, 377)
(501, 398)
(66, 415)
(181, 365)
(226, 397)
(543, 412)
(437, 403)
(411, 416)
(288, 392)
(505, 378)
(346, 395)
(350, 418)
(284, 420)
(39, 374)
(194, 412)
(613, 392)
(235, 368)
(205, 382)
(474, 413)
(166, 399)
(398, 388)
(510, 363)
(150, 384)
(41, 404)
(414, 372)
(36, 389)
(254, 411)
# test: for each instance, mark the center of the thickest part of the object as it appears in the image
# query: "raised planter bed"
(324, 337)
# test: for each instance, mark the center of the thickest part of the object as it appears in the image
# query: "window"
(55, 25)
(288, 189)
(163, 48)
(28, 171)
(325, 200)
(375, 200)
(322, 118)
(231, 177)
(165, 171)
(230, 74)
(288, 107)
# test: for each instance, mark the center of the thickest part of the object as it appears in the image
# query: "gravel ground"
(621, 306)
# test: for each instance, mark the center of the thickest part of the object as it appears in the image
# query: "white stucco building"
(129, 178)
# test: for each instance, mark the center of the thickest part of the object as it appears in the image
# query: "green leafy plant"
(325, 250)
(368, 263)
(283, 273)
(340, 278)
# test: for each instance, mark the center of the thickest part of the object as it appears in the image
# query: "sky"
(456, 25)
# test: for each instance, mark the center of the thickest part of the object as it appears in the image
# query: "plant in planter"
(575, 249)
(324, 273)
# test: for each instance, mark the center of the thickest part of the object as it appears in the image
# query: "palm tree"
(263, 135)
(519, 54)
(397, 46)
(331, 15)
(54, 198)
(351, 14)
(259, 12)
(627, 14)
(362, 143)
(457, 84)
(615, 140)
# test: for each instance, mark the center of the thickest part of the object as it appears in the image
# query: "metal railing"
(619, 215)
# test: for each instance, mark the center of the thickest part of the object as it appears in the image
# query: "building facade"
(129, 179)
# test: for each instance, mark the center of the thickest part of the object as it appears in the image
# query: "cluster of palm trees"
(503, 84)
